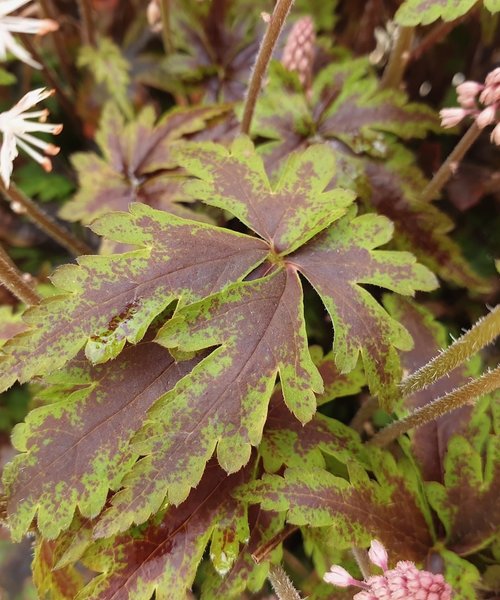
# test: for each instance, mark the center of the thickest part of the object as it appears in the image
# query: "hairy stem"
(281, 584)
(87, 26)
(271, 36)
(46, 223)
(13, 280)
(398, 59)
(166, 32)
(50, 12)
(450, 165)
(361, 557)
(480, 335)
(466, 394)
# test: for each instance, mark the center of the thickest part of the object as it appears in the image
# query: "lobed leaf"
(77, 448)
(423, 12)
(286, 215)
(223, 403)
(108, 300)
(162, 556)
(137, 163)
(336, 262)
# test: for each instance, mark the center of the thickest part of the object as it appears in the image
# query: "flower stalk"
(467, 394)
(281, 584)
(480, 335)
(46, 223)
(13, 280)
(165, 26)
(398, 59)
(267, 46)
(88, 27)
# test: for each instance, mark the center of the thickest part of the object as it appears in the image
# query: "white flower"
(9, 25)
(17, 126)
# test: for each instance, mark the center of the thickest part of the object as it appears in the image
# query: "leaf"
(109, 68)
(288, 442)
(468, 502)
(464, 577)
(492, 5)
(286, 215)
(429, 442)
(335, 263)
(394, 188)
(107, 300)
(423, 12)
(52, 583)
(44, 186)
(163, 556)
(358, 511)
(11, 323)
(77, 448)
(244, 573)
(223, 403)
(137, 163)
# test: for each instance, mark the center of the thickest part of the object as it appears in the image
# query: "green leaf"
(108, 300)
(358, 511)
(109, 68)
(7, 78)
(464, 578)
(51, 583)
(11, 323)
(137, 163)
(335, 263)
(44, 186)
(77, 448)
(467, 503)
(162, 556)
(286, 215)
(423, 12)
(492, 5)
(223, 403)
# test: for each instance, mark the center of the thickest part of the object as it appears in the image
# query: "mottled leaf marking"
(423, 12)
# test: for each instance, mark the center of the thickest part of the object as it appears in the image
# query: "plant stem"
(361, 557)
(13, 280)
(263, 551)
(51, 13)
(398, 59)
(450, 165)
(165, 29)
(271, 36)
(44, 221)
(365, 413)
(281, 584)
(87, 26)
(482, 333)
(466, 394)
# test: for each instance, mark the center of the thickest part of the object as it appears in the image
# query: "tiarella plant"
(251, 379)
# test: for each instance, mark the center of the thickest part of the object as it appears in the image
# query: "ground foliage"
(188, 394)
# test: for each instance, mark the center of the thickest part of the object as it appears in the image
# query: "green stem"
(398, 59)
(281, 584)
(271, 36)
(450, 165)
(480, 335)
(466, 394)
(13, 280)
(44, 221)
(166, 31)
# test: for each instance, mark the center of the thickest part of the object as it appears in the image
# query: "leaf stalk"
(398, 59)
(267, 46)
(13, 280)
(480, 335)
(466, 394)
(45, 222)
(166, 31)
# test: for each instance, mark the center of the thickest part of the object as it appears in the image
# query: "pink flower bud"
(493, 78)
(452, 116)
(467, 92)
(339, 577)
(487, 96)
(378, 555)
(298, 54)
(495, 135)
(486, 117)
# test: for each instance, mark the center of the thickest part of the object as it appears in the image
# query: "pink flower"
(495, 135)
(486, 117)
(404, 582)
(452, 116)
(467, 92)
(493, 78)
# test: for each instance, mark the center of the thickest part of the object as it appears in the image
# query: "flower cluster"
(17, 126)
(298, 54)
(481, 101)
(10, 25)
(404, 582)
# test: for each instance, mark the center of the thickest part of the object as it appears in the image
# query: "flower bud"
(298, 54)
(452, 116)
(486, 117)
